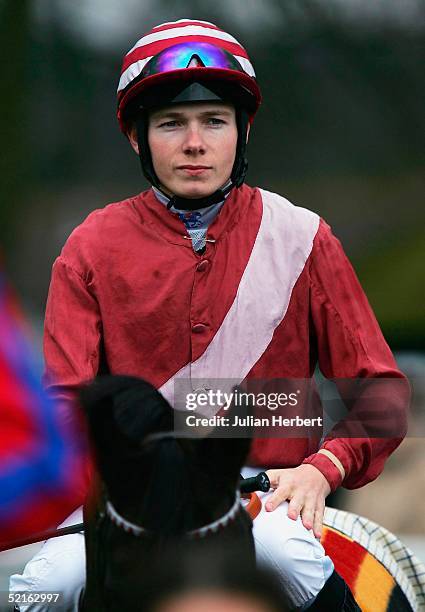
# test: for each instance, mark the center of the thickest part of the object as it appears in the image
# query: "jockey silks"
(272, 295)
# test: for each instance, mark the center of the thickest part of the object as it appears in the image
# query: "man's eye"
(168, 124)
(215, 121)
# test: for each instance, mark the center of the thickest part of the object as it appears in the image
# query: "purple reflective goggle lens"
(179, 56)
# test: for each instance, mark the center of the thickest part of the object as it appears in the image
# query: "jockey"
(226, 281)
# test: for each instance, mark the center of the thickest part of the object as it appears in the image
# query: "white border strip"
(381, 544)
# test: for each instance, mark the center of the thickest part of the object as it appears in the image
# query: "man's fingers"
(280, 495)
(295, 506)
(318, 522)
(274, 478)
(308, 514)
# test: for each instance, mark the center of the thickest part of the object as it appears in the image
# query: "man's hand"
(306, 489)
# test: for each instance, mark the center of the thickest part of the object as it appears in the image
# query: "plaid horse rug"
(383, 574)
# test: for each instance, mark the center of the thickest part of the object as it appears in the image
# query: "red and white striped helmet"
(164, 54)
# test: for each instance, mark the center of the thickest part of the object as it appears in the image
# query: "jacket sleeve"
(352, 351)
(72, 336)
(72, 332)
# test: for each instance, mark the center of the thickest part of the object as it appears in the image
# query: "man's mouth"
(194, 169)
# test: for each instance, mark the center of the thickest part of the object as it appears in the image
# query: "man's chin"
(195, 192)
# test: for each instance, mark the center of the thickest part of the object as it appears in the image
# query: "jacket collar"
(172, 228)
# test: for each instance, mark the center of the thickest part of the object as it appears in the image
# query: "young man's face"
(193, 147)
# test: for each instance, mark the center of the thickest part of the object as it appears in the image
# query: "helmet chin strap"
(181, 203)
(237, 176)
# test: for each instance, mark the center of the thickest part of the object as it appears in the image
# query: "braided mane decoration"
(138, 530)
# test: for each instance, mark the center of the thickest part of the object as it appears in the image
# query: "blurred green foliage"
(393, 279)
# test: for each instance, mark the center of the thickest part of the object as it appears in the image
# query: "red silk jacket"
(272, 295)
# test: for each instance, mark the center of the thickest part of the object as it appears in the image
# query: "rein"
(201, 532)
(42, 536)
(253, 508)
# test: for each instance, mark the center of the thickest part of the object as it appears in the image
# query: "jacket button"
(199, 328)
(203, 265)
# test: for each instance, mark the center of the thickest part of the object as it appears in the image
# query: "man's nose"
(193, 142)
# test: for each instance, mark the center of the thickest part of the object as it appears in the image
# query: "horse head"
(159, 487)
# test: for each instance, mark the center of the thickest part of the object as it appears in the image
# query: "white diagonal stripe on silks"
(167, 389)
(283, 244)
(132, 72)
(281, 249)
(183, 31)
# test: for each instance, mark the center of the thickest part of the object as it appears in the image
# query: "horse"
(163, 505)
(155, 492)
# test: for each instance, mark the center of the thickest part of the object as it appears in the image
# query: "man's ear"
(132, 136)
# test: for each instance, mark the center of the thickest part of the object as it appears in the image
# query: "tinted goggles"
(179, 57)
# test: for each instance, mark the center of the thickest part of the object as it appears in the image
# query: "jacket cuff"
(328, 469)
